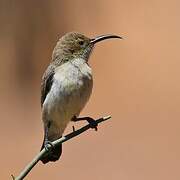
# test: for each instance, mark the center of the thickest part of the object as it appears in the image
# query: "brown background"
(136, 80)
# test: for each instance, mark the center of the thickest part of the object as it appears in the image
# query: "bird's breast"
(71, 89)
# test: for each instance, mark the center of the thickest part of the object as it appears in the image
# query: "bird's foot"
(93, 124)
(91, 121)
(48, 146)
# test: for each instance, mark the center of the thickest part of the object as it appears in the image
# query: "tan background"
(136, 80)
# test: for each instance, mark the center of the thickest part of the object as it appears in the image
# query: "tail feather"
(53, 155)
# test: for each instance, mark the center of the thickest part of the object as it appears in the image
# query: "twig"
(28, 168)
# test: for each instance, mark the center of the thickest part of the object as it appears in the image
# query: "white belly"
(71, 89)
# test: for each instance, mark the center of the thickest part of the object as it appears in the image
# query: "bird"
(66, 87)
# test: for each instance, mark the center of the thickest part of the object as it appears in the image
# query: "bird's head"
(75, 45)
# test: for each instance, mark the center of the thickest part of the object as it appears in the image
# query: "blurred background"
(136, 80)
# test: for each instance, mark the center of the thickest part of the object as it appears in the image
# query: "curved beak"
(104, 37)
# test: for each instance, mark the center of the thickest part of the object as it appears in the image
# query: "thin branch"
(63, 139)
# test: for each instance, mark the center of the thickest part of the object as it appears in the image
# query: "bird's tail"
(53, 155)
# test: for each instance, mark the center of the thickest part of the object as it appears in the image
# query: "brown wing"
(46, 84)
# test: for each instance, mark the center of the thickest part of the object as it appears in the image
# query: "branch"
(63, 139)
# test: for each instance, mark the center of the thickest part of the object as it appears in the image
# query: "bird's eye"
(81, 43)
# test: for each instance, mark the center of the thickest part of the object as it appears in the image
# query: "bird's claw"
(48, 146)
(73, 128)
(93, 124)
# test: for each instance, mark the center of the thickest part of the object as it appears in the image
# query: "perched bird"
(66, 87)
